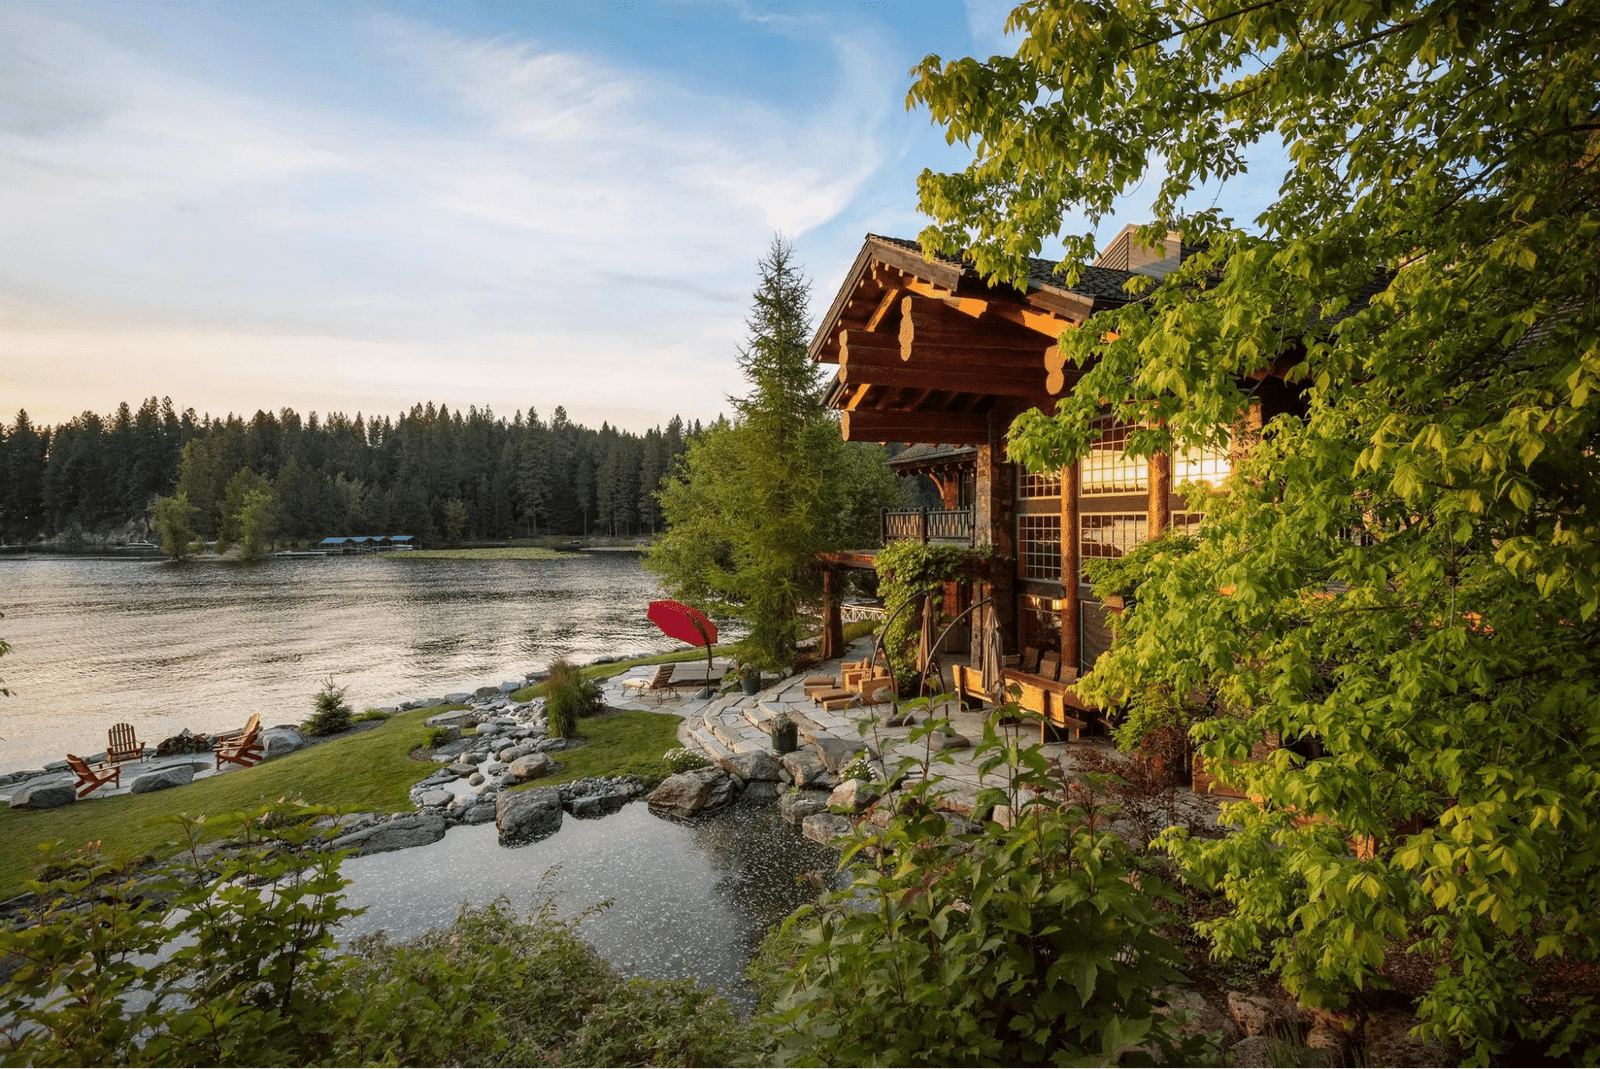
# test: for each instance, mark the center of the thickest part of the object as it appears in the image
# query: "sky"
(358, 207)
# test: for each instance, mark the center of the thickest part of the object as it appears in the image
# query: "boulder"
(695, 791)
(508, 754)
(795, 806)
(436, 796)
(836, 752)
(853, 794)
(479, 813)
(532, 766)
(756, 765)
(279, 741)
(953, 741)
(475, 778)
(487, 692)
(1389, 1042)
(510, 685)
(806, 767)
(162, 778)
(528, 816)
(825, 827)
(400, 832)
(760, 792)
(1260, 1016)
(424, 703)
(460, 697)
(462, 768)
(590, 806)
(49, 794)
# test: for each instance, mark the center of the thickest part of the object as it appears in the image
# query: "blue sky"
(356, 207)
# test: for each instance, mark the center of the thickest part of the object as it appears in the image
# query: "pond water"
(688, 899)
(203, 644)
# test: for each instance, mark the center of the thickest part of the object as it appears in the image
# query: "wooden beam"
(856, 397)
(949, 428)
(884, 306)
(860, 341)
(1022, 380)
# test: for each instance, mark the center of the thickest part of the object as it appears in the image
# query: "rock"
(795, 806)
(940, 741)
(836, 752)
(806, 767)
(825, 827)
(424, 703)
(1198, 1016)
(437, 796)
(511, 685)
(401, 832)
(493, 768)
(760, 792)
(1258, 1016)
(162, 778)
(460, 697)
(756, 765)
(46, 795)
(1388, 1042)
(475, 778)
(695, 791)
(1259, 1051)
(853, 794)
(279, 741)
(462, 768)
(591, 806)
(528, 816)
(480, 813)
(508, 754)
(532, 766)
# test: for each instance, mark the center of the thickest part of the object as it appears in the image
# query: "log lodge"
(927, 353)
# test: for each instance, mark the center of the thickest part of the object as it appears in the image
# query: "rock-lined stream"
(688, 899)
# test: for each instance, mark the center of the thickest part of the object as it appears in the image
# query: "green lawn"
(370, 771)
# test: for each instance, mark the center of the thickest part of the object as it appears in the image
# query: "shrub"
(568, 696)
(434, 738)
(333, 712)
(1038, 943)
(860, 767)
(684, 759)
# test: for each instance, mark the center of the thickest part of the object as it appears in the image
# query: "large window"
(1109, 470)
(1110, 534)
(1195, 464)
(1044, 484)
(1039, 547)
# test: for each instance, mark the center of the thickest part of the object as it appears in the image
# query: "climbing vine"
(915, 570)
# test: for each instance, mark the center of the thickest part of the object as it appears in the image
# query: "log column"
(1071, 651)
(1160, 502)
(831, 645)
(994, 517)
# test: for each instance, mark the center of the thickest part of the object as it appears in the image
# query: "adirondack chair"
(91, 777)
(122, 745)
(241, 747)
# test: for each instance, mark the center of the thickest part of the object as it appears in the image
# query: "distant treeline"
(431, 472)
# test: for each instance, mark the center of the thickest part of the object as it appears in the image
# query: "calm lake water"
(688, 899)
(201, 645)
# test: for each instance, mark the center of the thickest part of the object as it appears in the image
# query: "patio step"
(709, 743)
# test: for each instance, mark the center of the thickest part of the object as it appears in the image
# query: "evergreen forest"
(431, 472)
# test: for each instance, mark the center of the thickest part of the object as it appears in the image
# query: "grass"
(500, 553)
(369, 771)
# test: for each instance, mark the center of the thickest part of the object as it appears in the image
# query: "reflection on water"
(687, 899)
(202, 645)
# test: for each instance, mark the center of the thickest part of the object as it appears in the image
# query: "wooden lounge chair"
(123, 746)
(241, 747)
(656, 685)
(92, 777)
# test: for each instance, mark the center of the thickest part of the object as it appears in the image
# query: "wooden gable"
(927, 352)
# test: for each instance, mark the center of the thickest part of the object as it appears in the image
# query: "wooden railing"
(926, 525)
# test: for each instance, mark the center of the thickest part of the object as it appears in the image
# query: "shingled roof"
(1102, 284)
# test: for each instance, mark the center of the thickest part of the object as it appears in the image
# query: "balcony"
(953, 527)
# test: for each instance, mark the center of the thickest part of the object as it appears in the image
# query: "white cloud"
(574, 233)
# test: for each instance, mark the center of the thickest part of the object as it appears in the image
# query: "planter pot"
(751, 686)
(785, 737)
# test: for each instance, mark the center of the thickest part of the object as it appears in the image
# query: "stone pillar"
(1070, 615)
(994, 519)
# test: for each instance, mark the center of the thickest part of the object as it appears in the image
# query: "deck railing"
(926, 525)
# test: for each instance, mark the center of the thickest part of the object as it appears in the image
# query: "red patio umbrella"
(686, 624)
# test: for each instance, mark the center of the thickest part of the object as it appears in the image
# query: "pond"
(687, 899)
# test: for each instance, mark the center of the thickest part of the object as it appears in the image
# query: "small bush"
(434, 738)
(858, 768)
(333, 712)
(372, 714)
(684, 759)
(568, 696)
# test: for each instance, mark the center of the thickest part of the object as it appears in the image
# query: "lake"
(202, 644)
